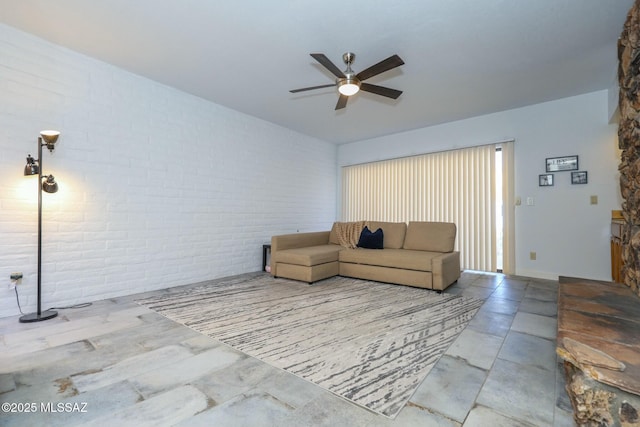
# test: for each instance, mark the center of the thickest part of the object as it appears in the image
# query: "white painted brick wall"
(157, 187)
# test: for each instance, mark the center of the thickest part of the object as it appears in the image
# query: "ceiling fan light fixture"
(349, 86)
(350, 83)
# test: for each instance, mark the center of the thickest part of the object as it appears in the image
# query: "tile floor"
(115, 363)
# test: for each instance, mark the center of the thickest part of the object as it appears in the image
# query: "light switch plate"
(594, 200)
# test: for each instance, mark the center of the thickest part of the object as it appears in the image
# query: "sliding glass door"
(457, 186)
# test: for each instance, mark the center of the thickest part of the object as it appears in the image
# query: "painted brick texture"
(157, 187)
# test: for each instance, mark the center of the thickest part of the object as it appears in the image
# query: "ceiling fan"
(349, 83)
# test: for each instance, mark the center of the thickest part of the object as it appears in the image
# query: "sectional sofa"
(419, 254)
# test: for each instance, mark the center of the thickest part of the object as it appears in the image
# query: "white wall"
(570, 236)
(157, 188)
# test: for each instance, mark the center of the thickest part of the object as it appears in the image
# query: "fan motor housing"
(348, 57)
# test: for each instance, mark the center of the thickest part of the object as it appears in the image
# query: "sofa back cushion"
(333, 234)
(430, 236)
(394, 233)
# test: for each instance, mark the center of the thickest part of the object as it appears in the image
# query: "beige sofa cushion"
(309, 256)
(333, 236)
(430, 236)
(394, 233)
(396, 258)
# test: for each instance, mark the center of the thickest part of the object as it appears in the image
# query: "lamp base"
(35, 317)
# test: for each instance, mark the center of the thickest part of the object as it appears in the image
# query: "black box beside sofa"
(420, 254)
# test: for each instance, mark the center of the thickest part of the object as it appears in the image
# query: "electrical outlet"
(532, 256)
(594, 200)
(16, 276)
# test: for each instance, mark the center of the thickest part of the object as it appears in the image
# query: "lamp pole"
(50, 139)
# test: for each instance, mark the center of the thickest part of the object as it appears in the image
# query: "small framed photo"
(545, 180)
(579, 177)
(559, 164)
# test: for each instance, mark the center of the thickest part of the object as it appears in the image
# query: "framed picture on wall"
(579, 177)
(559, 164)
(545, 180)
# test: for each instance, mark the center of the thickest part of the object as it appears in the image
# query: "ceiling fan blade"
(321, 58)
(311, 88)
(380, 90)
(342, 102)
(382, 66)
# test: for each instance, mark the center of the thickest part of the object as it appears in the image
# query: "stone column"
(629, 143)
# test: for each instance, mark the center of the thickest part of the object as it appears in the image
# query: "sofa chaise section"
(308, 257)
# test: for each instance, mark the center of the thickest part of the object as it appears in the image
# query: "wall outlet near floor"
(532, 256)
(16, 279)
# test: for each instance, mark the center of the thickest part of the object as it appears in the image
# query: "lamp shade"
(31, 168)
(50, 185)
(50, 137)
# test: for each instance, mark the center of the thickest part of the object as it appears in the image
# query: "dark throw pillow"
(371, 240)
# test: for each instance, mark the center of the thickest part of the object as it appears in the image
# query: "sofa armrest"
(445, 270)
(296, 240)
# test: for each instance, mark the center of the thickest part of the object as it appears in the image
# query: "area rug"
(368, 342)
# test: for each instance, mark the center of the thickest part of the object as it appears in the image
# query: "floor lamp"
(48, 185)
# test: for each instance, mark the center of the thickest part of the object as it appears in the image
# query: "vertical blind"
(453, 186)
(508, 214)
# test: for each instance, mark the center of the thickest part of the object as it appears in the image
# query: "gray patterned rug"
(368, 342)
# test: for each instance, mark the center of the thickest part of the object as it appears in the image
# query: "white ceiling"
(463, 58)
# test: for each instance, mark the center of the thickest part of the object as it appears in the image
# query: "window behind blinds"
(454, 186)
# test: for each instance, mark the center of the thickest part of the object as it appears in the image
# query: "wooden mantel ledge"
(599, 331)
